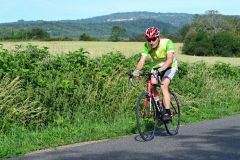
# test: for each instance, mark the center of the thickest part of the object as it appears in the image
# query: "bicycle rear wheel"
(172, 127)
(146, 116)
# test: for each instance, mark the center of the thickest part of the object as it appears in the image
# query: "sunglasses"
(152, 39)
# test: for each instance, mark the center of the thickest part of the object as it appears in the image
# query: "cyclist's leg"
(166, 80)
(165, 91)
(154, 81)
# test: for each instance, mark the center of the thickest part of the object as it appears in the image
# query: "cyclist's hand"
(136, 73)
(154, 72)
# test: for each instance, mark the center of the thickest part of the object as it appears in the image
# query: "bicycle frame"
(149, 90)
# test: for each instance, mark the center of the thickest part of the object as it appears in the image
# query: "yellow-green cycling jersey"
(159, 54)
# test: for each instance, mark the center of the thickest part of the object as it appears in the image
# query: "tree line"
(33, 34)
(30, 34)
(211, 34)
(117, 34)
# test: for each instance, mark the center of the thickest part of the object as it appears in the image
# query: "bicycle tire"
(146, 119)
(172, 127)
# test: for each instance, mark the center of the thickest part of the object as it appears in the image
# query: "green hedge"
(42, 90)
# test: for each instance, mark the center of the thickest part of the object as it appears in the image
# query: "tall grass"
(208, 92)
(15, 108)
(55, 100)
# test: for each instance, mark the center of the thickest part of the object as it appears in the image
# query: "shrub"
(198, 43)
(222, 43)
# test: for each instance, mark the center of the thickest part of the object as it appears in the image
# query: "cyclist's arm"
(143, 57)
(141, 62)
(168, 62)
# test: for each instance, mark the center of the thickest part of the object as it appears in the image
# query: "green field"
(127, 48)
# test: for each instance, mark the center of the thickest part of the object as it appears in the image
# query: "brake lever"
(130, 79)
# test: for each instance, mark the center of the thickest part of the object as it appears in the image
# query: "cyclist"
(161, 51)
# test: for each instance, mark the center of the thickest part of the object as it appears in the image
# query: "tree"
(212, 34)
(226, 44)
(212, 22)
(86, 37)
(38, 33)
(117, 33)
(182, 33)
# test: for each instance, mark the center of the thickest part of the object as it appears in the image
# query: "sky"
(53, 10)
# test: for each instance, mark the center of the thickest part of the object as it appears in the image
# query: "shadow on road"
(160, 132)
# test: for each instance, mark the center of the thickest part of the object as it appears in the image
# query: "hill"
(175, 19)
(134, 23)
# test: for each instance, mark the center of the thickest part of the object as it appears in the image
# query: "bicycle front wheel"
(172, 127)
(146, 116)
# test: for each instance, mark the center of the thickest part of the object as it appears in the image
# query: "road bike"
(149, 113)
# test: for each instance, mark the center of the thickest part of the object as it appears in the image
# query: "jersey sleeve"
(145, 50)
(170, 47)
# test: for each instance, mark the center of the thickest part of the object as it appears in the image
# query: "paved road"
(214, 140)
